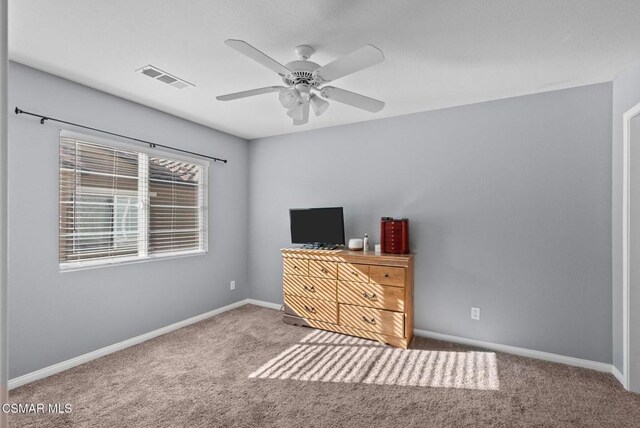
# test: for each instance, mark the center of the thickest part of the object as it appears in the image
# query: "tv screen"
(311, 225)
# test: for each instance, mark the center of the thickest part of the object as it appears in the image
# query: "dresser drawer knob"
(371, 296)
(309, 308)
(368, 320)
(312, 288)
(386, 275)
(353, 272)
(324, 270)
(295, 267)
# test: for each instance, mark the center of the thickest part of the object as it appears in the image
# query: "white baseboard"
(73, 362)
(618, 375)
(539, 355)
(262, 303)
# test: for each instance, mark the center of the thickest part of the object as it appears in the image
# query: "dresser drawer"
(314, 309)
(373, 295)
(296, 267)
(385, 275)
(374, 320)
(315, 288)
(353, 272)
(320, 269)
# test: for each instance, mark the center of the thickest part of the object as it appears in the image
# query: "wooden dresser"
(360, 294)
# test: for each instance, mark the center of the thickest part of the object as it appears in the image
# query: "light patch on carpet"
(330, 357)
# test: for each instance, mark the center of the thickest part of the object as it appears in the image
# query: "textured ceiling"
(438, 53)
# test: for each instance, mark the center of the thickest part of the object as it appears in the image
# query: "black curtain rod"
(152, 145)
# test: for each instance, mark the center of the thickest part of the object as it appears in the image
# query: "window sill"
(95, 264)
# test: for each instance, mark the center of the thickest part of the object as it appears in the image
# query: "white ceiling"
(438, 53)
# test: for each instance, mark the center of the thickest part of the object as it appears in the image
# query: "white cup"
(378, 248)
(355, 244)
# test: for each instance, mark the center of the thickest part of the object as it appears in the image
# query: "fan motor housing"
(302, 72)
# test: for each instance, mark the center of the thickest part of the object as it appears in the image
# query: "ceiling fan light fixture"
(304, 90)
(297, 112)
(319, 105)
(289, 98)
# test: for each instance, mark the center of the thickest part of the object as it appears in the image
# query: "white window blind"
(121, 205)
(176, 208)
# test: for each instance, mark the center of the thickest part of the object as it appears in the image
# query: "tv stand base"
(319, 246)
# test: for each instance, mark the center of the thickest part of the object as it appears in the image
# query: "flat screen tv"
(317, 225)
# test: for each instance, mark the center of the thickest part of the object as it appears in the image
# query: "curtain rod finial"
(17, 110)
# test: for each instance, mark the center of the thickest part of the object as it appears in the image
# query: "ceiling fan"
(305, 80)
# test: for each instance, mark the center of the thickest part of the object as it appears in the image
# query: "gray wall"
(509, 205)
(56, 316)
(626, 94)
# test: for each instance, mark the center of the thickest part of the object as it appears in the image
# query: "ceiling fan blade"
(251, 93)
(258, 56)
(355, 61)
(305, 115)
(351, 98)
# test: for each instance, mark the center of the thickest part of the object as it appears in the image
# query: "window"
(119, 205)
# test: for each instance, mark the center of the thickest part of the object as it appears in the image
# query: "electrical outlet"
(232, 285)
(475, 313)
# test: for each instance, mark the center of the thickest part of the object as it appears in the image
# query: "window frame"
(143, 205)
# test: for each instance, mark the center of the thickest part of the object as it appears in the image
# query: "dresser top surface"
(369, 257)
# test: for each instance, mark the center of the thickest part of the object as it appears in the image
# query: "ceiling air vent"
(163, 76)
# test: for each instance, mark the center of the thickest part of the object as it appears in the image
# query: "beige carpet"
(247, 368)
